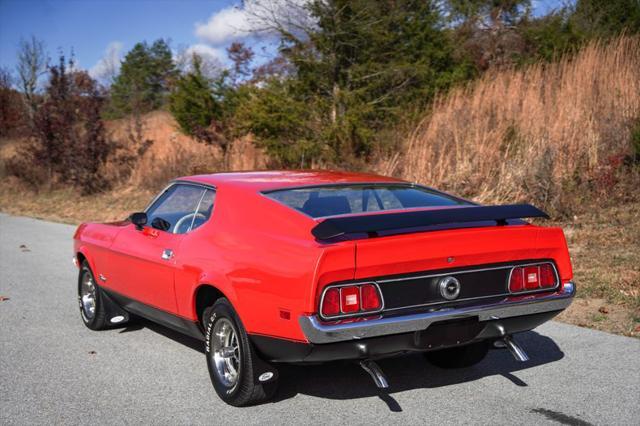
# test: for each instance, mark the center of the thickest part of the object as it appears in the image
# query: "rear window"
(336, 200)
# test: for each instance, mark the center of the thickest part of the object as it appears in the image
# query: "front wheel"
(92, 310)
(459, 357)
(230, 359)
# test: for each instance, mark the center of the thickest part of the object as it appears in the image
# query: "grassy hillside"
(555, 134)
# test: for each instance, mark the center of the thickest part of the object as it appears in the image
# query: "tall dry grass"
(152, 151)
(533, 134)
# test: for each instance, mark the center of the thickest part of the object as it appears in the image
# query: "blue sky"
(91, 27)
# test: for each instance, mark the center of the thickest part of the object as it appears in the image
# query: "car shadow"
(346, 380)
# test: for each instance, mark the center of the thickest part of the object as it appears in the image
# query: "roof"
(277, 179)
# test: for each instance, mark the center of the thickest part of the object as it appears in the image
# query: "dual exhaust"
(381, 381)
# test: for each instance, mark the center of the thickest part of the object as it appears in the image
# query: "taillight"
(532, 277)
(351, 300)
(331, 302)
(370, 298)
(516, 283)
(547, 276)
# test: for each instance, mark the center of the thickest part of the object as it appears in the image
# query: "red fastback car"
(314, 266)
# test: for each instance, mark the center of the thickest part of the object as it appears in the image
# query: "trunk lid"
(457, 248)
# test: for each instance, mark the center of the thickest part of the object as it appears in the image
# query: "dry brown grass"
(534, 134)
(605, 250)
(169, 153)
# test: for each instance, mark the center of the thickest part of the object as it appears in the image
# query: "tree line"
(346, 75)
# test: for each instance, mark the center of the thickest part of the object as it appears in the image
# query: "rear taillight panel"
(533, 277)
(348, 300)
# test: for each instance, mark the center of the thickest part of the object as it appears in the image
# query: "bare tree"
(241, 57)
(106, 70)
(210, 66)
(290, 19)
(32, 64)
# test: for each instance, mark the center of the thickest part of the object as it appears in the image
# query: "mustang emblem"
(449, 288)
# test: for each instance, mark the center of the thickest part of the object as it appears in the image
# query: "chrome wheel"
(88, 296)
(225, 352)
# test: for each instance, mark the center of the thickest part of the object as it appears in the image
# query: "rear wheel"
(92, 309)
(230, 359)
(459, 357)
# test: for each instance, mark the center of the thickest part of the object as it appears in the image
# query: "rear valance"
(337, 226)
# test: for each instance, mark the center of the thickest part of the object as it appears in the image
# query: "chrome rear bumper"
(320, 332)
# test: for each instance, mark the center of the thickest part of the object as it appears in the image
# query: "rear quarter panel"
(260, 255)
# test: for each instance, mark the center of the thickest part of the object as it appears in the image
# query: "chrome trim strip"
(468, 271)
(444, 302)
(318, 332)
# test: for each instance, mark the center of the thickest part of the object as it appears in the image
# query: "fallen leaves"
(3, 298)
(24, 248)
(603, 310)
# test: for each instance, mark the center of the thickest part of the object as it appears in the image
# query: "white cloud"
(254, 22)
(109, 65)
(207, 52)
(224, 26)
(254, 18)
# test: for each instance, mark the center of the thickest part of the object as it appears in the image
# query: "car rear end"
(420, 292)
(432, 277)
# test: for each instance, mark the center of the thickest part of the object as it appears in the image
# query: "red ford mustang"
(306, 267)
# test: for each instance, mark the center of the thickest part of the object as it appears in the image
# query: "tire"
(92, 310)
(459, 357)
(222, 324)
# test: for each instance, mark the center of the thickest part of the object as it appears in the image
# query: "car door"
(143, 261)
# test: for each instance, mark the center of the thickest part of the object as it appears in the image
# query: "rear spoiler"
(337, 226)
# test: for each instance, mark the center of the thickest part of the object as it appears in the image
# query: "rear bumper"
(318, 332)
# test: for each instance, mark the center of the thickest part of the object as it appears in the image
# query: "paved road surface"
(53, 370)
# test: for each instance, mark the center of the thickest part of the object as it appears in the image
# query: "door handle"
(167, 254)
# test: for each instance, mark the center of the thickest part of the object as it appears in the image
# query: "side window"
(175, 210)
(205, 208)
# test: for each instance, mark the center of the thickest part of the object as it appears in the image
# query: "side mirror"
(139, 220)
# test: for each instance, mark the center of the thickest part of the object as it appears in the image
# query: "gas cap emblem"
(449, 288)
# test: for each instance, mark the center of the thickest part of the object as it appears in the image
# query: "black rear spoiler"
(337, 226)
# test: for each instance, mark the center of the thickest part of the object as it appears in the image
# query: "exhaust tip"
(375, 372)
(516, 350)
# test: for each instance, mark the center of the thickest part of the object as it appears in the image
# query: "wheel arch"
(204, 296)
(82, 255)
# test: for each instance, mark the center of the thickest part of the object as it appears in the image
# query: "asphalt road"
(54, 370)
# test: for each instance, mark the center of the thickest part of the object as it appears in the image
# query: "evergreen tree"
(598, 18)
(360, 67)
(144, 80)
(194, 107)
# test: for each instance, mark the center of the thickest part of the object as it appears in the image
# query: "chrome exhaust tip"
(516, 350)
(375, 372)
